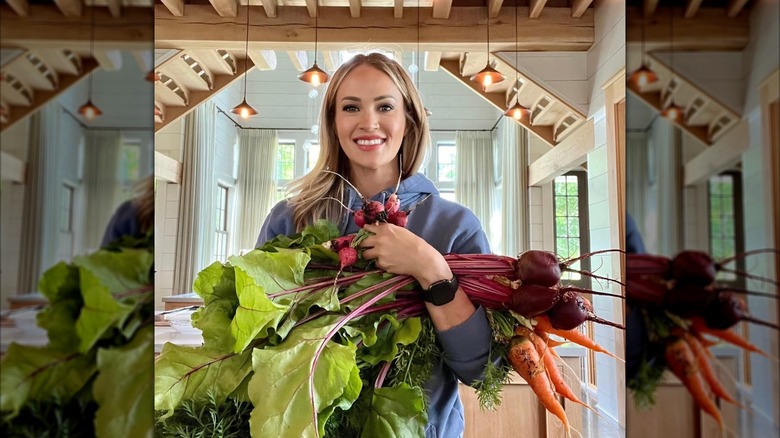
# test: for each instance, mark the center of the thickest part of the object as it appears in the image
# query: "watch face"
(441, 292)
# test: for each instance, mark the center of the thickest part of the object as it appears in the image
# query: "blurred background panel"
(702, 172)
(76, 129)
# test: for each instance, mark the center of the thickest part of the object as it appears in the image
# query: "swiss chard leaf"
(124, 388)
(396, 412)
(43, 374)
(279, 389)
(195, 373)
(258, 274)
(217, 286)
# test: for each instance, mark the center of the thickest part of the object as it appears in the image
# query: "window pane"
(285, 161)
(312, 154)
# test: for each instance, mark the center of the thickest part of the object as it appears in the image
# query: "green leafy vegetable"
(396, 412)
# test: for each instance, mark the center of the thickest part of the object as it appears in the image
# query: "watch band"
(441, 292)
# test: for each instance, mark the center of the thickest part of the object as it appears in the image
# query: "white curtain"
(39, 248)
(101, 170)
(196, 203)
(256, 183)
(515, 211)
(475, 182)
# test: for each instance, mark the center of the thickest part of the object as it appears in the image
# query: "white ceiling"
(283, 103)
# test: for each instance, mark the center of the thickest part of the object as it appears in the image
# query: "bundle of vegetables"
(682, 305)
(321, 344)
(93, 377)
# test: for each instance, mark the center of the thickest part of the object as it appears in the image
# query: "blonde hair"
(144, 203)
(309, 201)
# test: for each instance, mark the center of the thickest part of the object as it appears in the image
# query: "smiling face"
(370, 118)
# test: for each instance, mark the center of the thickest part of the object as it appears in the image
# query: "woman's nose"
(369, 120)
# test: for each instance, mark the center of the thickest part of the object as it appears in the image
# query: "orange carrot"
(543, 324)
(704, 366)
(681, 362)
(727, 335)
(525, 360)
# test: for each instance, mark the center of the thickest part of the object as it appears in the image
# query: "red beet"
(724, 310)
(687, 299)
(648, 264)
(538, 267)
(695, 267)
(569, 312)
(646, 289)
(530, 300)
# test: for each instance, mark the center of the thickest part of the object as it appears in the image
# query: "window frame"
(739, 224)
(431, 169)
(584, 225)
(222, 230)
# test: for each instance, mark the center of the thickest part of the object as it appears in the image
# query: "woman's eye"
(349, 108)
(385, 107)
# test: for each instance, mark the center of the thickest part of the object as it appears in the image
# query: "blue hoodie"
(450, 228)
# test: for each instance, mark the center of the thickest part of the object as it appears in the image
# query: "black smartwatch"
(441, 292)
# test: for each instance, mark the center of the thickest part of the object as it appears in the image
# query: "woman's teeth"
(370, 142)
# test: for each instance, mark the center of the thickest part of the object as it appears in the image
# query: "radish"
(392, 205)
(359, 218)
(398, 218)
(341, 242)
(347, 257)
(374, 211)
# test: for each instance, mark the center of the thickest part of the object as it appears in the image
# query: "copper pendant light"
(315, 75)
(89, 110)
(643, 76)
(488, 76)
(516, 111)
(244, 109)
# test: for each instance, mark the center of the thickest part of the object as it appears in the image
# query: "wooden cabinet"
(676, 415)
(521, 413)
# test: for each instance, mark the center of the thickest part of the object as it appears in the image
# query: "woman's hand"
(399, 251)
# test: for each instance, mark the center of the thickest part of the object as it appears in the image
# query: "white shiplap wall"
(12, 141)
(605, 59)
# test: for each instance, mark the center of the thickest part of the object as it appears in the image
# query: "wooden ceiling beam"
(270, 8)
(44, 97)
(311, 6)
(494, 6)
(649, 7)
(432, 60)
(354, 8)
(299, 59)
(225, 8)
(70, 8)
(710, 29)
(21, 7)
(263, 59)
(398, 9)
(144, 59)
(330, 59)
(175, 7)
(578, 7)
(115, 7)
(109, 60)
(197, 97)
(735, 7)
(442, 9)
(46, 27)
(691, 7)
(536, 8)
(199, 28)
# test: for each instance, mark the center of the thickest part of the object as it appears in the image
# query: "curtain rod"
(305, 129)
(101, 128)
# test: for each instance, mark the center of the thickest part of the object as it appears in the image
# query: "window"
(65, 248)
(285, 166)
(221, 225)
(443, 168)
(725, 220)
(311, 150)
(571, 227)
(129, 168)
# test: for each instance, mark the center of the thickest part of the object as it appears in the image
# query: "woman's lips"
(369, 144)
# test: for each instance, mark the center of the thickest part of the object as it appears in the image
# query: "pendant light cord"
(246, 50)
(316, 28)
(91, 50)
(642, 41)
(517, 53)
(487, 14)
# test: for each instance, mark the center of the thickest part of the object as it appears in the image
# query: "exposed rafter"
(354, 8)
(70, 8)
(649, 7)
(578, 7)
(710, 29)
(494, 6)
(536, 8)
(175, 7)
(263, 59)
(270, 8)
(735, 7)
(299, 59)
(115, 7)
(691, 7)
(442, 8)
(225, 8)
(21, 7)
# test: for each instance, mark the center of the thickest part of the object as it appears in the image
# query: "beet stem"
(588, 291)
(748, 253)
(590, 254)
(761, 322)
(596, 319)
(346, 181)
(590, 274)
(742, 291)
(750, 276)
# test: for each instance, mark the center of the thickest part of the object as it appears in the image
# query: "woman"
(133, 217)
(374, 130)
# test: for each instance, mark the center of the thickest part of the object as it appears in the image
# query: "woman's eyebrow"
(357, 99)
